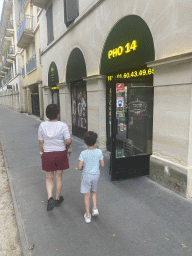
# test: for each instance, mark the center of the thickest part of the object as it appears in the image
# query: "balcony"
(10, 28)
(11, 52)
(5, 42)
(31, 64)
(23, 5)
(2, 73)
(25, 33)
(8, 76)
(6, 12)
(40, 3)
(9, 57)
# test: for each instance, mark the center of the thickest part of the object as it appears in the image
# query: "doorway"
(129, 125)
(79, 108)
(35, 100)
(55, 97)
(35, 104)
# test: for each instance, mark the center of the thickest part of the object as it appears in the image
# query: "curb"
(32, 116)
(19, 221)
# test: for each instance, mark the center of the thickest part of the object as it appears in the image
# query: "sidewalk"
(137, 216)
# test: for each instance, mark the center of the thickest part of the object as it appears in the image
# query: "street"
(137, 216)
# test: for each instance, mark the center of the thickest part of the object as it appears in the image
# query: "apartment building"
(21, 75)
(28, 40)
(123, 69)
(9, 68)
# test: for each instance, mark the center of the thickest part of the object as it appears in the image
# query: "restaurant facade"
(124, 71)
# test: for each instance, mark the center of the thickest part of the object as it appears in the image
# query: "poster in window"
(82, 107)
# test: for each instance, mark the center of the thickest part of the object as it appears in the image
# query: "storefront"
(76, 71)
(53, 80)
(129, 96)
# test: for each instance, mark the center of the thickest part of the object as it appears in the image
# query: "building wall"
(170, 24)
(11, 98)
(169, 27)
(35, 75)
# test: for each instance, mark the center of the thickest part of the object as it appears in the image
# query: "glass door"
(55, 97)
(132, 121)
(79, 109)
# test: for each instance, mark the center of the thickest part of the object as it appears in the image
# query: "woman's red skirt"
(53, 161)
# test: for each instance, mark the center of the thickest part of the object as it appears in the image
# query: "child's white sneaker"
(87, 220)
(95, 212)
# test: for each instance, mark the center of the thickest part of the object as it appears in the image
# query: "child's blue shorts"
(89, 182)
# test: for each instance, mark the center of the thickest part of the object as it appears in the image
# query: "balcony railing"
(8, 76)
(10, 24)
(23, 71)
(1, 70)
(9, 56)
(25, 32)
(8, 32)
(3, 40)
(31, 64)
(22, 4)
(9, 28)
(11, 50)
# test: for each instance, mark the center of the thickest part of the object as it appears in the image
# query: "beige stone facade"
(9, 59)
(31, 66)
(25, 74)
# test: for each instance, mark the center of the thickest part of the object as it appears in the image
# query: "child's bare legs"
(87, 204)
(94, 199)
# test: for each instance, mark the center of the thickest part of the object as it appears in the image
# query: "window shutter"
(49, 24)
(71, 11)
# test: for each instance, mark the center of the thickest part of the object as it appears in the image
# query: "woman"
(52, 134)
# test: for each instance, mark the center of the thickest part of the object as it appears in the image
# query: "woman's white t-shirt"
(53, 134)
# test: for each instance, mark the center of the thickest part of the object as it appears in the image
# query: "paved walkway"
(137, 216)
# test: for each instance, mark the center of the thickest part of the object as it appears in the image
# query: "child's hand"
(80, 165)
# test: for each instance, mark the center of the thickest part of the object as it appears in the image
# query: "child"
(90, 159)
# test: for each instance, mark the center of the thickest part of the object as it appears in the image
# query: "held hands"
(41, 153)
(69, 149)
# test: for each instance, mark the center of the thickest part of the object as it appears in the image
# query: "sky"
(1, 5)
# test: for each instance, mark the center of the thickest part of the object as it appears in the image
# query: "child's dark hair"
(52, 111)
(90, 138)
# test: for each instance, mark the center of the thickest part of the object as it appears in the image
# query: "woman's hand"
(69, 149)
(68, 146)
(41, 142)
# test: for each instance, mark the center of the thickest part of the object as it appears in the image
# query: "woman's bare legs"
(94, 199)
(58, 183)
(87, 204)
(49, 183)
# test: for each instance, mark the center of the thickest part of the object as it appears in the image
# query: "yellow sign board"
(55, 88)
(121, 50)
(135, 73)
